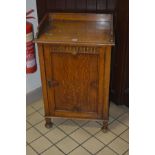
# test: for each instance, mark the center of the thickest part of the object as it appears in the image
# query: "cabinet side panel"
(43, 78)
(106, 82)
(101, 80)
(49, 79)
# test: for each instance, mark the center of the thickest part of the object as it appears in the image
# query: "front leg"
(105, 126)
(48, 123)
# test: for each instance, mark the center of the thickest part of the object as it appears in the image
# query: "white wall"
(33, 80)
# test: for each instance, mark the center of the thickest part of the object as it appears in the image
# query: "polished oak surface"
(82, 29)
(75, 58)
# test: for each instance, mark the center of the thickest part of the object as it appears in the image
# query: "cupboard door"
(73, 83)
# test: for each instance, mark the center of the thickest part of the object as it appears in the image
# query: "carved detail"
(74, 49)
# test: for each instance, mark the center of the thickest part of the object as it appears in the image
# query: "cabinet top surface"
(80, 29)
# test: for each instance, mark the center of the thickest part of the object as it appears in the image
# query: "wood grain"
(75, 92)
(107, 59)
(101, 80)
(43, 79)
(81, 17)
(81, 115)
(97, 29)
(49, 77)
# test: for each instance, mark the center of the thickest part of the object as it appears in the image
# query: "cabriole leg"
(48, 124)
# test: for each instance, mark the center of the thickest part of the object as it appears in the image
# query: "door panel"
(75, 75)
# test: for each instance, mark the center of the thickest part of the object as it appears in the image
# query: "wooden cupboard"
(75, 58)
(119, 84)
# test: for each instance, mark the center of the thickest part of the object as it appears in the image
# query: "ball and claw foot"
(48, 123)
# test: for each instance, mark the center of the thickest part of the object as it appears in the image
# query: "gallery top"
(77, 29)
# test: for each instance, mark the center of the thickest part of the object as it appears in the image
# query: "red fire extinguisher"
(31, 65)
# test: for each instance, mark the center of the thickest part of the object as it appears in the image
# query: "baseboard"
(34, 95)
